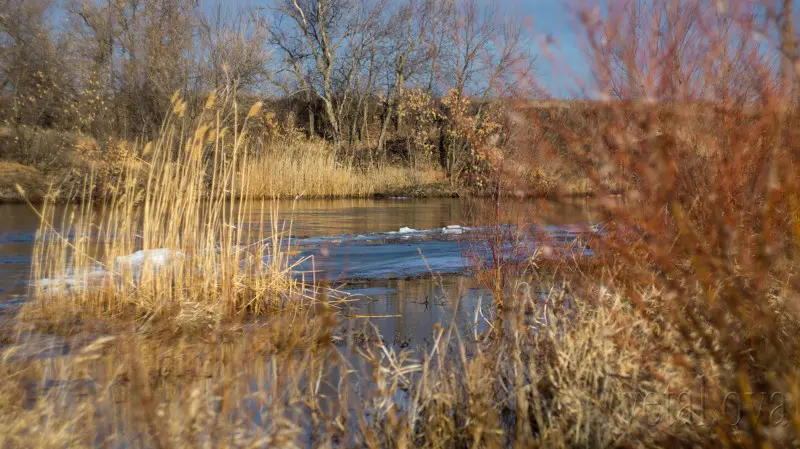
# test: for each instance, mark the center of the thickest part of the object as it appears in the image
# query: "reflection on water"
(406, 311)
(310, 218)
(387, 254)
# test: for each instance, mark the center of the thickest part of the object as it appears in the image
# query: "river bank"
(70, 166)
(402, 183)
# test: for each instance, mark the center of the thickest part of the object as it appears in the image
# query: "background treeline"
(442, 86)
(367, 76)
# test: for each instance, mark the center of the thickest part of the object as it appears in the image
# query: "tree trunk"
(354, 126)
(384, 129)
(362, 131)
(311, 131)
(442, 150)
(391, 109)
(330, 113)
(310, 105)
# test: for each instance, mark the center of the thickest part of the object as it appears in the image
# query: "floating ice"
(71, 281)
(453, 229)
(405, 233)
(154, 259)
(410, 252)
(407, 252)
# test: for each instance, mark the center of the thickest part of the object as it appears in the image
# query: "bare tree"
(437, 34)
(30, 69)
(734, 60)
(144, 49)
(486, 57)
(409, 26)
(291, 48)
(349, 82)
(664, 64)
(234, 50)
(324, 27)
(488, 54)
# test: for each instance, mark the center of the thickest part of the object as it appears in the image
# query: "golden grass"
(287, 168)
(139, 392)
(577, 375)
(311, 169)
(197, 259)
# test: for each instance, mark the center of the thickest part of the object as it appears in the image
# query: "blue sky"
(553, 20)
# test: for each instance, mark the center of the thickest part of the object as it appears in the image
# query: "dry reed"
(166, 240)
(311, 169)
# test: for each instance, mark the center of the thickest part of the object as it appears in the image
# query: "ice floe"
(155, 257)
(131, 264)
(404, 233)
(453, 229)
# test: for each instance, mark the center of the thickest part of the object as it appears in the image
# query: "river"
(399, 257)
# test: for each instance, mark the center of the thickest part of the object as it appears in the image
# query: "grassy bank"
(284, 169)
(290, 386)
(311, 169)
(280, 167)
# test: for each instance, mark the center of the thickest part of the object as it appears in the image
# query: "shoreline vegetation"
(289, 166)
(155, 318)
(167, 245)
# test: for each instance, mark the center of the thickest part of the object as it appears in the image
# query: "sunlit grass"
(310, 169)
(165, 240)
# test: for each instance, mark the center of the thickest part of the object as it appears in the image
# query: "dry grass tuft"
(311, 169)
(165, 241)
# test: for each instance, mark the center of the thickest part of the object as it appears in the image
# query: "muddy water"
(396, 256)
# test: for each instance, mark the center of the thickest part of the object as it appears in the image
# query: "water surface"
(404, 266)
(406, 262)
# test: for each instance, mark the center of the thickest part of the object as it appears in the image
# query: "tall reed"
(167, 239)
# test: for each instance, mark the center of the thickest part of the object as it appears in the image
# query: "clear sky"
(563, 67)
